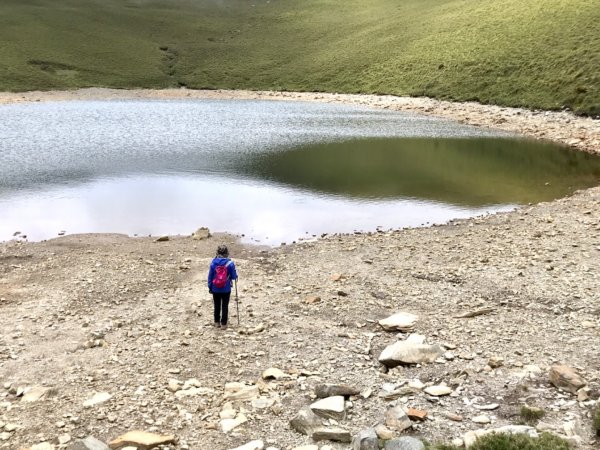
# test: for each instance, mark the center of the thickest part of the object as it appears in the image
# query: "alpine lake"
(269, 171)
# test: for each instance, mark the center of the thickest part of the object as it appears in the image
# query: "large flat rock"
(406, 352)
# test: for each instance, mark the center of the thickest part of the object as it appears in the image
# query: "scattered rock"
(396, 419)
(495, 361)
(416, 414)
(403, 352)
(481, 419)
(404, 443)
(240, 392)
(274, 374)
(142, 440)
(201, 234)
(312, 300)
(330, 408)
(333, 390)
(306, 421)
(566, 378)
(439, 390)
(228, 425)
(401, 321)
(89, 443)
(97, 399)
(384, 432)
(336, 434)
(366, 440)
(162, 239)
(34, 393)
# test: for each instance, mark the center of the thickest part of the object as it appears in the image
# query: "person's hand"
(210, 291)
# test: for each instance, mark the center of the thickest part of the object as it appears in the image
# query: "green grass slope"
(537, 54)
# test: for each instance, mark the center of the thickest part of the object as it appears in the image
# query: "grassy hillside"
(538, 54)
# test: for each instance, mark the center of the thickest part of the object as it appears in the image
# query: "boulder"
(201, 233)
(330, 408)
(401, 321)
(406, 352)
(366, 440)
(566, 378)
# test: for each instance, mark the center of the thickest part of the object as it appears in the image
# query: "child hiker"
(220, 277)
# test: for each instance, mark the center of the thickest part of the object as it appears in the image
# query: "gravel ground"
(87, 314)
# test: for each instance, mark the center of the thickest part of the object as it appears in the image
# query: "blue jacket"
(230, 271)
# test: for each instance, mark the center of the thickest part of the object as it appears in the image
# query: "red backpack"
(221, 276)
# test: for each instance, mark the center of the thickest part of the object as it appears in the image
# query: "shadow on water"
(470, 172)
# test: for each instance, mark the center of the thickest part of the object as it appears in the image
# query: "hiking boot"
(217, 325)
(223, 327)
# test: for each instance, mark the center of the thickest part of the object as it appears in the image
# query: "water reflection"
(176, 204)
(274, 171)
(472, 172)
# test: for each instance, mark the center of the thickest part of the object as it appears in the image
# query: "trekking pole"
(237, 303)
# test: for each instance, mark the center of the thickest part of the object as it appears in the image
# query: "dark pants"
(221, 301)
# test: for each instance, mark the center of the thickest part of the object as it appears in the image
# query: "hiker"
(220, 277)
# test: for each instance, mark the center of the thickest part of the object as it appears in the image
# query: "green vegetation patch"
(531, 414)
(537, 54)
(546, 441)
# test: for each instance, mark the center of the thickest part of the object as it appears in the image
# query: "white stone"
(274, 373)
(229, 424)
(240, 392)
(401, 321)
(439, 390)
(415, 338)
(42, 446)
(34, 393)
(97, 399)
(193, 392)
(416, 384)
(330, 408)
(262, 402)
(228, 411)
(406, 352)
(481, 419)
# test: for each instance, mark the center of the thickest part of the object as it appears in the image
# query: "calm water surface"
(273, 171)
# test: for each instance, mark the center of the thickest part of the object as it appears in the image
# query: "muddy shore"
(83, 315)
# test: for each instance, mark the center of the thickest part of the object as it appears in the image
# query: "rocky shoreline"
(106, 334)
